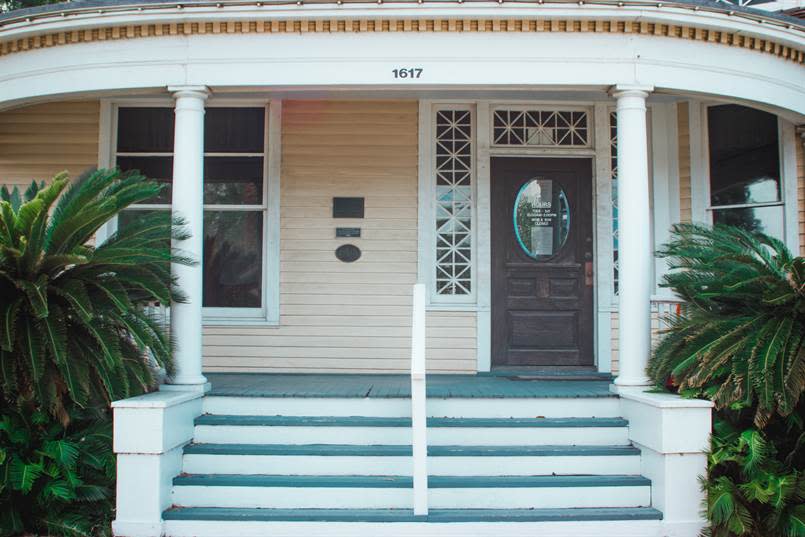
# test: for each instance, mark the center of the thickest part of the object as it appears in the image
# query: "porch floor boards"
(399, 386)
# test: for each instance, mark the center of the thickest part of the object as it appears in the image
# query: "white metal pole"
(188, 200)
(418, 403)
(634, 244)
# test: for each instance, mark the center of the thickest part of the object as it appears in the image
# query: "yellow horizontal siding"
(37, 142)
(346, 317)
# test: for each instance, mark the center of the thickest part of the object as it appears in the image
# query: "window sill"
(239, 321)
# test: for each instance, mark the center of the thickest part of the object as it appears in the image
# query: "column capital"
(200, 92)
(630, 90)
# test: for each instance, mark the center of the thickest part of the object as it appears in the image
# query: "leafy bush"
(75, 334)
(55, 481)
(739, 342)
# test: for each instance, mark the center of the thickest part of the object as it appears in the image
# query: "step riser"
(639, 528)
(392, 465)
(603, 407)
(402, 498)
(437, 436)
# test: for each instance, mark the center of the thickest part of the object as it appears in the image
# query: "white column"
(188, 202)
(634, 245)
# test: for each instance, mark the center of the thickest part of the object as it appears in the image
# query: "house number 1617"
(410, 72)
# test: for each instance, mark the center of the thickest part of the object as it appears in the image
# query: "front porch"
(315, 454)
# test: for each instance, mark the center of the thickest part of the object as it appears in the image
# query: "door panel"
(542, 299)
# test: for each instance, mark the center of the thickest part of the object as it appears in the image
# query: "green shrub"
(75, 334)
(55, 480)
(739, 342)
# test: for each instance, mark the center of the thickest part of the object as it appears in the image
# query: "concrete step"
(349, 459)
(451, 407)
(395, 492)
(221, 429)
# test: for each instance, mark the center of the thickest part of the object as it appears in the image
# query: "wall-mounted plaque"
(348, 207)
(347, 232)
(348, 253)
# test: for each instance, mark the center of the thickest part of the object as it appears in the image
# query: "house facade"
(520, 160)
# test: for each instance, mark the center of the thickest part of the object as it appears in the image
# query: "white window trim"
(702, 209)
(268, 314)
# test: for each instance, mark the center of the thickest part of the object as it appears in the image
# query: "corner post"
(634, 225)
(188, 203)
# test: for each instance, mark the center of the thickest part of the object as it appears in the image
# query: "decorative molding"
(734, 39)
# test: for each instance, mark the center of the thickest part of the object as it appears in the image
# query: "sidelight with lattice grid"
(453, 202)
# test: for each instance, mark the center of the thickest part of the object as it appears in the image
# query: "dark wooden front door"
(542, 255)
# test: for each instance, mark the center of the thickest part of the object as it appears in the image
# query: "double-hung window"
(235, 204)
(745, 186)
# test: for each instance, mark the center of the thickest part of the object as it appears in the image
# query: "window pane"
(157, 168)
(234, 130)
(744, 156)
(768, 220)
(233, 257)
(145, 130)
(233, 180)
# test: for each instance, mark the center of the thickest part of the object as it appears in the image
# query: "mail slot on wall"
(348, 207)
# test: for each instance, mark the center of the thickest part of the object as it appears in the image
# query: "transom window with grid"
(540, 128)
(235, 202)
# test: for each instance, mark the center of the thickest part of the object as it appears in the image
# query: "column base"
(201, 387)
(630, 385)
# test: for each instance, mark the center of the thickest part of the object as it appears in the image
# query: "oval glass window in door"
(541, 218)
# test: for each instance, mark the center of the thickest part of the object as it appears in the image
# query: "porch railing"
(663, 312)
(418, 403)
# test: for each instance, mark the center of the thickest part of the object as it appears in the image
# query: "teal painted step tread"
(396, 481)
(221, 514)
(353, 450)
(399, 386)
(361, 421)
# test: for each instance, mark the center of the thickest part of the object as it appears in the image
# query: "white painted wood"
(149, 433)
(437, 436)
(310, 406)
(540, 498)
(419, 412)
(273, 178)
(602, 231)
(402, 465)
(699, 164)
(188, 199)
(665, 181)
(402, 498)
(671, 460)
(603, 407)
(634, 247)
(642, 528)
(788, 141)
(483, 234)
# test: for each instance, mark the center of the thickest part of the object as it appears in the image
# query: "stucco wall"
(36, 142)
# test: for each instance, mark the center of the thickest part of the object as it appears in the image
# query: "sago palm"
(75, 329)
(739, 340)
